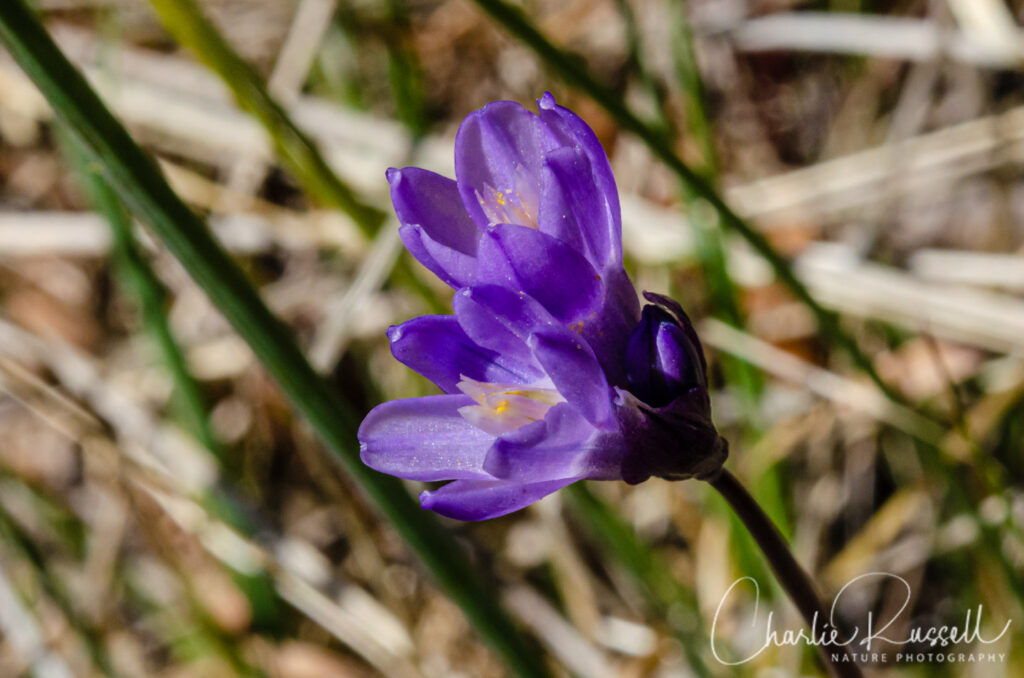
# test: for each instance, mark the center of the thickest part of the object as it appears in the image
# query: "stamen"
(505, 407)
(518, 206)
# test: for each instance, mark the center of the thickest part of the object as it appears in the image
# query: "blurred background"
(878, 146)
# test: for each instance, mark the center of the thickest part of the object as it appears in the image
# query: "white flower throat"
(505, 407)
(518, 206)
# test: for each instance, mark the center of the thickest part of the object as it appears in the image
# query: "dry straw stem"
(140, 184)
(575, 652)
(342, 315)
(652, 233)
(989, 320)
(23, 632)
(167, 466)
(840, 390)
(881, 37)
(291, 68)
(961, 267)
(185, 20)
(176, 106)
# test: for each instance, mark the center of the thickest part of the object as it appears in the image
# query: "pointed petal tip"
(546, 101)
(394, 333)
(393, 174)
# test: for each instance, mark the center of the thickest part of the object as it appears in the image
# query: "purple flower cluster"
(551, 372)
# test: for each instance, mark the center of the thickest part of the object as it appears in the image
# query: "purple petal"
(483, 313)
(675, 362)
(573, 208)
(517, 312)
(572, 131)
(572, 367)
(607, 328)
(661, 361)
(423, 439)
(544, 267)
(563, 445)
(499, 152)
(438, 348)
(499, 318)
(672, 306)
(435, 227)
(454, 268)
(483, 499)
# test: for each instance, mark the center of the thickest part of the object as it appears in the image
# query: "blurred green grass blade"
(684, 59)
(405, 73)
(186, 22)
(722, 291)
(649, 573)
(186, 631)
(635, 61)
(709, 240)
(140, 184)
(53, 586)
(573, 70)
(136, 275)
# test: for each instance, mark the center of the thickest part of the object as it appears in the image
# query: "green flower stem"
(187, 23)
(791, 576)
(572, 69)
(138, 181)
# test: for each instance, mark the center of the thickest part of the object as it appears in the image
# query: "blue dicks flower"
(549, 371)
(533, 207)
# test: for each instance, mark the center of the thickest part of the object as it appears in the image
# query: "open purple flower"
(533, 208)
(549, 370)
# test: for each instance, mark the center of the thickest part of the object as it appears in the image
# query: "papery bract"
(550, 373)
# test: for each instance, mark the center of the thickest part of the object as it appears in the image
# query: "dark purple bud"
(663, 358)
(671, 432)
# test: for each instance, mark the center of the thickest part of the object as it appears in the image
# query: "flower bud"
(670, 428)
(662, 363)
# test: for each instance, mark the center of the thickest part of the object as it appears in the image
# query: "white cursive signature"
(828, 634)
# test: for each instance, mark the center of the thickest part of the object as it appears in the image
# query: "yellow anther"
(505, 407)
